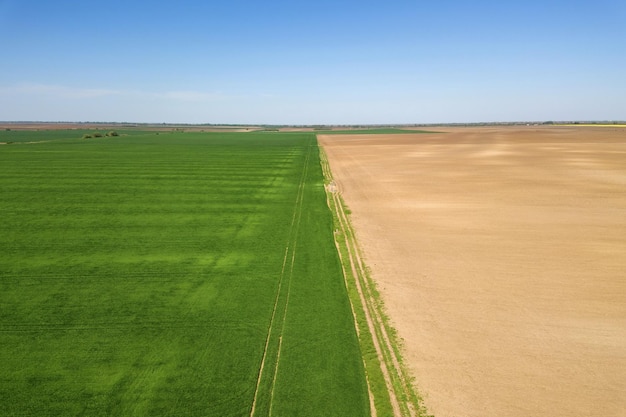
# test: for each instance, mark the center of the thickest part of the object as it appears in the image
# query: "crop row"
(138, 276)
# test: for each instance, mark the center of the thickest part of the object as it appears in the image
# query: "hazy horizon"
(334, 63)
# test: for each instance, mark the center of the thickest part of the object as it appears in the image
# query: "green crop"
(154, 274)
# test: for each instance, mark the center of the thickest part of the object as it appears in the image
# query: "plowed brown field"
(501, 256)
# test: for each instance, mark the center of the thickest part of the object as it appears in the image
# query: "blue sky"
(322, 62)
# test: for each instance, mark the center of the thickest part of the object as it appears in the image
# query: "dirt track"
(501, 256)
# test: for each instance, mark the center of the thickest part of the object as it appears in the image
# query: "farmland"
(500, 255)
(178, 274)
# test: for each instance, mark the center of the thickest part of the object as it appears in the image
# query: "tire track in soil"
(291, 248)
(371, 321)
(399, 386)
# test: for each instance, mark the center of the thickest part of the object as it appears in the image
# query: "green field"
(180, 274)
(42, 136)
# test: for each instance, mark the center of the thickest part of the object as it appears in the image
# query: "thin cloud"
(40, 101)
(60, 91)
(66, 92)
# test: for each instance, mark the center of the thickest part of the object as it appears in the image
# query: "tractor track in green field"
(277, 321)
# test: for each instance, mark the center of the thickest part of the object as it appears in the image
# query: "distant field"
(20, 136)
(385, 131)
(172, 275)
(592, 125)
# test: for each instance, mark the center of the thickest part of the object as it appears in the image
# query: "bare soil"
(501, 256)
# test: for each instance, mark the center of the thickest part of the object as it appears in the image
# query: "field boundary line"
(331, 200)
(370, 319)
(404, 400)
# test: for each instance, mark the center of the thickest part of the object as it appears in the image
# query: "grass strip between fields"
(389, 384)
